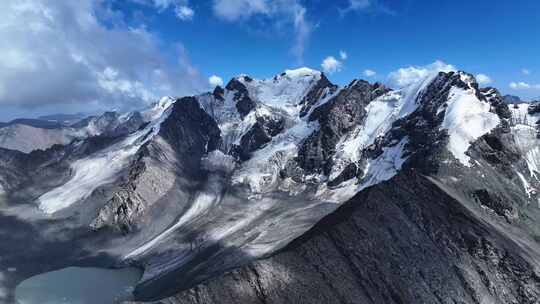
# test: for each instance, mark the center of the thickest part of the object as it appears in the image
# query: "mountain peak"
(301, 72)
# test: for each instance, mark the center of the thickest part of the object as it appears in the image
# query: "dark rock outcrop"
(188, 133)
(320, 90)
(403, 241)
(260, 134)
(336, 117)
(244, 104)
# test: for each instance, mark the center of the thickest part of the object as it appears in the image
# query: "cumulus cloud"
(369, 73)
(483, 79)
(343, 55)
(215, 81)
(65, 55)
(331, 65)
(525, 72)
(184, 13)
(282, 13)
(233, 10)
(410, 75)
(524, 86)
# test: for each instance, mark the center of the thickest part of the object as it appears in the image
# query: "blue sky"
(497, 38)
(135, 50)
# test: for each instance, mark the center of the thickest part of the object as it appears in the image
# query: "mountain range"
(288, 190)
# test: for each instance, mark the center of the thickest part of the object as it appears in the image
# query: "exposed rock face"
(191, 132)
(321, 90)
(336, 117)
(403, 241)
(188, 133)
(260, 134)
(244, 104)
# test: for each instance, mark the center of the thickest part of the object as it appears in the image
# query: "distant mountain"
(511, 99)
(27, 135)
(65, 119)
(292, 190)
(36, 123)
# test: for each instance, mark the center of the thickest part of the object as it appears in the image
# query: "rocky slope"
(408, 240)
(197, 186)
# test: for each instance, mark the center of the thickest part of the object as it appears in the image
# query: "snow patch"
(386, 166)
(521, 116)
(284, 91)
(381, 114)
(529, 146)
(528, 189)
(466, 119)
(157, 109)
(261, 172)
(203, 202)
(218, 161)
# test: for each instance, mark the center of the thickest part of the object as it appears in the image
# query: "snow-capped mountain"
(197, 186)
(27, 135)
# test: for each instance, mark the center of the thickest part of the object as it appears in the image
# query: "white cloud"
(343, 55)
(215, 81)
(184, 13)
(67, 56)
(372, 6)
(483, 79)
(525, 72)
(182, 9)
(524, 86)
(369, 73)
(163, 4)
(233, 10)
(282, 13)
(410, 75)
(331, 65)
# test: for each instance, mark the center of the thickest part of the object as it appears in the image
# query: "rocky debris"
(130, 125)
(336, 117)
(260, 134)
(322, 89)
(126, 206)
(244, 104)
(111, 124)
(402, 241)
(494, 202)
(499, 149)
